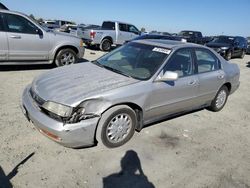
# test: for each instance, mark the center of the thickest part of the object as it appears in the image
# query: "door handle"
(15, 37)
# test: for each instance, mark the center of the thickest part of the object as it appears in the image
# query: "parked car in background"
(158, 36)
(194, 37)
(137, 84)
(159, 33)
(24, 41)
(229, 46)
(248, 45)
(67, 28)
(111, 33)
(55, 24)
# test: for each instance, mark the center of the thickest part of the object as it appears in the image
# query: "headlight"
(224, 48)
(58, 109)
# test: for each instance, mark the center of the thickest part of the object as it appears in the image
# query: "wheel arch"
(64, 47)
(137, 109)
(228, 85)
(109, 38)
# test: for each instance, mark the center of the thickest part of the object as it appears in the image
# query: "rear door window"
(108, 25)
(19, 24)
(206, 61)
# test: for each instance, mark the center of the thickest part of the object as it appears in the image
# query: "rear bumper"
(75, 135)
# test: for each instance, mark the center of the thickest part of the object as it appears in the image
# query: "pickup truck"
(194, 37)
(110, 33)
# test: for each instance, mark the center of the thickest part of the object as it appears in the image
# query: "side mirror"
(39, 32)
(167, 76)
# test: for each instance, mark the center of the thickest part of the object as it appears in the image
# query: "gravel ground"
(200, 149)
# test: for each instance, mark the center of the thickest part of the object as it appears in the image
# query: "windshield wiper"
(116, 71)
(110, 68)
(96, 62)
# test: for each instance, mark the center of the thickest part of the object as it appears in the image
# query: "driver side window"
(132, 29)
(18, 24)
(181, 63)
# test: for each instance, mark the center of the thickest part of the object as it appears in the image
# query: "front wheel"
(65, 57)
(220, 99)
(116, 127)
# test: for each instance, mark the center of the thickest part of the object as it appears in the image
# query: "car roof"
(11, 11)
(170, 44)
(118, 22)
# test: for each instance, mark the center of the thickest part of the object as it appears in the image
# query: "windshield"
(223, 40)
(139, 61)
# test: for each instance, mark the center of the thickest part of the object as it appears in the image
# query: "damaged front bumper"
(75, 135)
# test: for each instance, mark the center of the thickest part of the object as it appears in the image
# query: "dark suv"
(228, 46)
(192, 36)
(248, 45)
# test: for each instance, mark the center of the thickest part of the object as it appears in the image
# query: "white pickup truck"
(110, 33)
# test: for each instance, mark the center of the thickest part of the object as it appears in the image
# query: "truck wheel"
(243, 53)
(116, 127)
(228, 55)
(220, 99)
(105, 45)
(65, 57)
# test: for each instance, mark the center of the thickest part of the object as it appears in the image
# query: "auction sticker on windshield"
(162, 50)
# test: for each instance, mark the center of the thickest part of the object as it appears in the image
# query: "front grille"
(36, 98)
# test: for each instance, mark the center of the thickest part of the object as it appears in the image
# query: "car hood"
(217, 45)
(70, 85)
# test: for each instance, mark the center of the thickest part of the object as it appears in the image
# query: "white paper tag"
(162, 50)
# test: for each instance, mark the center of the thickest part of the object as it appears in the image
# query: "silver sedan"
(142, 82)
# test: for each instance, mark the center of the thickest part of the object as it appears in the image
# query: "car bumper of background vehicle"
(88, 41)
(70, 135)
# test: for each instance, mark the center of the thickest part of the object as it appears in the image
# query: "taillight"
(92, 34)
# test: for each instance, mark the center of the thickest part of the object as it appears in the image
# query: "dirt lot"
(201, 149)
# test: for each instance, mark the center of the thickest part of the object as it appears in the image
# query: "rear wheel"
(65, 57)
(116, 127)
(220, 99)
(105, 45)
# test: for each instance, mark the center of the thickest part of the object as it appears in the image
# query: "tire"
(120, 119)
(105, 45)
(65, 57)
(243, 53)
(220, 99)
(228, 55)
